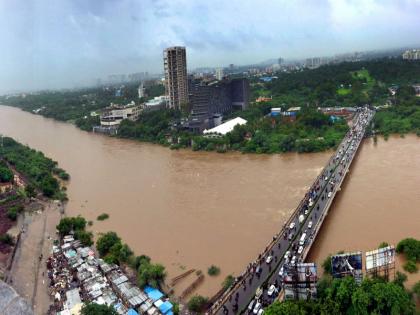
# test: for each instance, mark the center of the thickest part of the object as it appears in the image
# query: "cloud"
(69, 42)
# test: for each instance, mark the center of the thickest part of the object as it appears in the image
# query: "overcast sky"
(64, 43)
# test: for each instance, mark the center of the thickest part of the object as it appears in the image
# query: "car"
(311, 202)
(251, 305)
(310, 225)
(330, 194)
(287, 254)
(326, 178)
(290, 236)
(292, 225)
(306, 211)
(281, 272)
(258, 293)
(293, 261)
(257, 308)
(258, 270)
(260, 312)
(300, 250)
(271, 290)
(269, 259)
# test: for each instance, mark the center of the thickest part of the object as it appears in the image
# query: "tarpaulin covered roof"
(153, 293)
(132, 312)
(165, 307)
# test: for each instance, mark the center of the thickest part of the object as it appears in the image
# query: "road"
(313, 207)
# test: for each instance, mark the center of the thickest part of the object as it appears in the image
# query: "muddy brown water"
(193, 209)
(380, 201)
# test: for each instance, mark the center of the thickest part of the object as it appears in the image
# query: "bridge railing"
(224, 297)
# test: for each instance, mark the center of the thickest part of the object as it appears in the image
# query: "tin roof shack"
(105, 267)
(73, 299)
(131, 295)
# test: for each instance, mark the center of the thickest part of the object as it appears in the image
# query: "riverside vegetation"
(344, 84)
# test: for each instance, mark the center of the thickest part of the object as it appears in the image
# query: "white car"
(326, 178)
(293, 261)
(251, 305)
(257, 308)
(260, 312)
(311, 202)
(271, 290)
(269, 259)
(310, 225)
(330, 194)
(281, 272)
(306, 211)
(287, 254)
(300, 249)
(292, 225)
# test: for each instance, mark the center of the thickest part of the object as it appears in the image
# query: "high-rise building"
(219, 74)
(213, 99)
(176, 81)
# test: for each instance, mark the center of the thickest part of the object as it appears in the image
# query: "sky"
(69, 43)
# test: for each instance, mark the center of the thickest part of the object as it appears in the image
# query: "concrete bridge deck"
(312, 210)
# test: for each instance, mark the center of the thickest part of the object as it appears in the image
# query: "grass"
(213, 270)
(102, 217)
(343, 91)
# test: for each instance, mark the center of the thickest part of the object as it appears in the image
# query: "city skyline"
(72, 43)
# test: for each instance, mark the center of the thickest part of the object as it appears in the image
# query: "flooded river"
(380, 201)
(194, 209)
(184, 209)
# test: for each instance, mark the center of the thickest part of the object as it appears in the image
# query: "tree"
(197, 303)
(400, 278)
(68, 224)
(151, 274)
(213, 270)
(98, 309)
(228, 282)
(106, 241)
(382, 245)
(6, 175)
(285, 308)
(326, 265)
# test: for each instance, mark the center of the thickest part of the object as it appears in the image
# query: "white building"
(219, 74)
(158, 102)
(225, 127)
(114, 114)
(141, 90)
(413, 54)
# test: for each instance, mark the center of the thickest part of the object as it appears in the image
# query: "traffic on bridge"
(261, 283)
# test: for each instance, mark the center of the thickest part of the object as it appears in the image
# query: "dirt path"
(28, 272)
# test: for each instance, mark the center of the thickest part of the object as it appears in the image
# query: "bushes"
(197, 303)
(14, 211)
(36, 167)
(228, 282)
(6, 239)
(150, 274)
(77, 225)
(6, 174)
(410, 266)
(102, 217)
(97, 309)
(213, 270)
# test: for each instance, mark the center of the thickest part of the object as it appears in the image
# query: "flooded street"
(380, 201)
(184, 209)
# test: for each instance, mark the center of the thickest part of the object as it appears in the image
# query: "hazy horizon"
(70, 43)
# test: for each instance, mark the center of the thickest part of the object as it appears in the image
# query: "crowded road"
(261, 283)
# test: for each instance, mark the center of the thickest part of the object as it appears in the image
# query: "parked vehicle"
(292, 225)
(300, 250)
(260, 312)
(257, 307)
(310, 225)
(281, 272)
(271, 290)
(251, 305)
(293, 261)
(269, 259)
(330, 194)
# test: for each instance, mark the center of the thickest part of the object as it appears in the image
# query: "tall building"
(176, 81)
(219, 74)
(210, 100)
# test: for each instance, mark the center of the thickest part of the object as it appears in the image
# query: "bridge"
(306, 219)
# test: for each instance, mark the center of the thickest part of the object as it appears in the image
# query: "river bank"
(190, 210)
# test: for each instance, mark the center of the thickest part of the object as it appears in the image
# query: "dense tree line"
(77, 226)
(35, 166)
(345, 296)
(6, 174)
